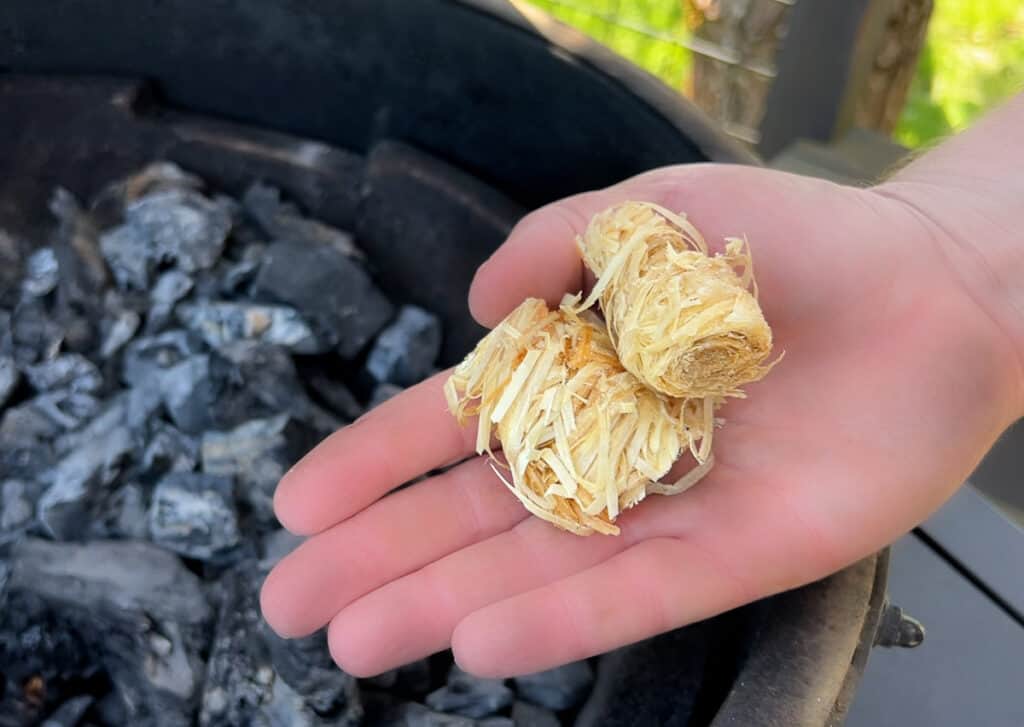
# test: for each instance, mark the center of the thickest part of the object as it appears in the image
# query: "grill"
(424, 129)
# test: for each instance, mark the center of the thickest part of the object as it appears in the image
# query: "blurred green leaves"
(973, 57)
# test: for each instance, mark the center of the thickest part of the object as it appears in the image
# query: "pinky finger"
(623, 600)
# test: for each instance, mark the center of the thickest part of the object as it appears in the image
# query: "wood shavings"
(590, 413)
(582, 438)
(684, 322)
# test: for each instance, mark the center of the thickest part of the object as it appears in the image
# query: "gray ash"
(165, 357)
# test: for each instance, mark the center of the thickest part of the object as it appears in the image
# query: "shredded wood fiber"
(684, 322)
(582, 438)
(590, 414)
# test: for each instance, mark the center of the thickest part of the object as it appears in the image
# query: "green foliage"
(973, 57)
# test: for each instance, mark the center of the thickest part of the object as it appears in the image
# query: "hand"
(894, 384)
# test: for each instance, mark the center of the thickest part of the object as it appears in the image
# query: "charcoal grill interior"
(429, 189)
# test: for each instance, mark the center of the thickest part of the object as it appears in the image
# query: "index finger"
(540, 258)
(399, 440)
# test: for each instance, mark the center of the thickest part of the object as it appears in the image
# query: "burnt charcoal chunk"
(470, 696)
(305, 665)
(381, 393)
(27, 424)
(559, 688)
(178, 225)
(42, 273)
(256, 454)
(17, 506)
(223, 323)
(189, 390)
(147, 357)
(282, 221)
(525, 714)
(109, 205)
(70, 370)
(169, 450)
(66, 408)
(127, 609)
(70, 713)
(63, 508)
(405, 351)
(193, 514)
(8, 378)
(411, 714)
(242, 686)
(412, 679)
(170, 288)
(332, 291)
(124, 514)
(117, 331)
(35, 335)
(335, 395)
(276, 545)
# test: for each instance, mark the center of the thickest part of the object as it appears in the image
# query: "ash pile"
(165, 358)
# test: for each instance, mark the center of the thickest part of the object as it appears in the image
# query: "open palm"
(885, 399)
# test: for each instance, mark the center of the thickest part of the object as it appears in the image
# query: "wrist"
(967, 242)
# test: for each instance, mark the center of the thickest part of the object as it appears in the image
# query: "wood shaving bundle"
(589, 417)
(685, 323)
(582, 438)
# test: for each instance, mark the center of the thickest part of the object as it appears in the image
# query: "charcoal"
(242, 272)
(26, 424)
(169, 450)
(170, 287)
(282, 221)
(225, 322)
(35, 335)
(405, 351)
(381, 393)
(525, 714)
(263, 383)
(412, 714)
(256, 454)
(16, 506)
(335, 395)
(42, 273)
(130, 409)
(189, 390)
(109, 205)
(177, 225)
(70, 713)
(146, 359)
(118, 331)
(276, 545)
(306, 665)
(242, 687)
(127, 608)
(82, 269)
(559, 688)
(10, 268)
(70, 370)
(332, 291)
(9, 376)
(66, 408)
(76, 478)
(125, 249)
(470, 696)
(193, 514)
(124, 514)
(412, 679)
(25, 459)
